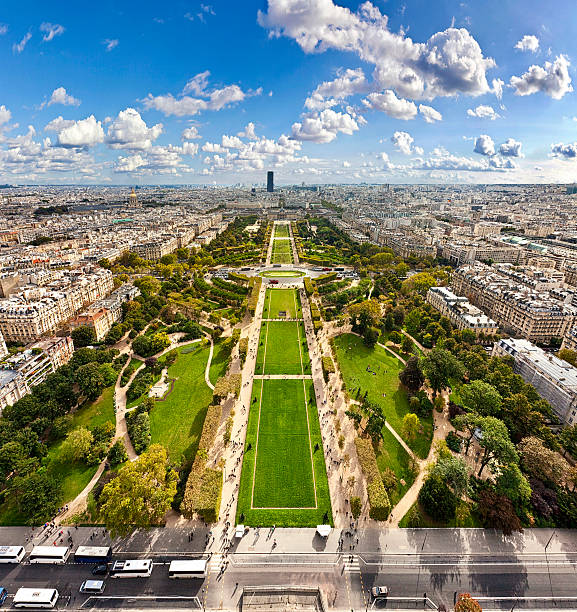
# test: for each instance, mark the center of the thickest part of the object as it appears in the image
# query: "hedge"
(328, 367)
(226, 385)
(315, 312)
(243, 349)
(326, 278)
(255, 284)
(379, 503)
(203, 489)
(309, 288)
(138, 427)
(238, 278)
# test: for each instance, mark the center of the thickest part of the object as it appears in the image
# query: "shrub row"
(379, 503)
(309, 287)
(328, 367)
(255, 284)
(239, 278)
(141, 384)
(226, 385)
(326, 278)
(138, 427)
(243, 349)
(204, 485)
(232, 287)
(315, 312)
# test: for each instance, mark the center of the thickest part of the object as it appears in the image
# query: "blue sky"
(319, 91)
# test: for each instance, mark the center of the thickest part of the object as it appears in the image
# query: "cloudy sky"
(317, 90)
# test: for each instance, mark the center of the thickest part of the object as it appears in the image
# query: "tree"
(37, 496)
(542, 462)
(366, 314)
(83, 336)
(77, 445)
(371, 336)
(481, 397)
(11, 454)
(90, 380)
(411, 426)
(496, 443)
(375, 421)
(468, 336)
(512, 484)
(148, 285)
(568, 355)
(407, 345)
(117, 453)
(141, 494)
(497, 512)
(466, 603)
(439, 366)
(420, 283)
(568, 439)
(412, 376)
(453, 471)
(437, 499)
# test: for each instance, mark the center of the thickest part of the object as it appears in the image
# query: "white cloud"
(484, 145)
(552, 79)
(448, 63)
(248, 132)
(329, 93)
(5, 115)
(564, 151)
(430, 114)
(19, 47)
(403, 141)
(157, 160)
(51, 30)
(129, 131)
(82, 134)
(497, 88)
(388, 103)
(58, 124)
(185, 105)
(110, 43)
(323, 127)
(61, 96)
(529, 42)
(190, 133)
(3, 29)
(511, 148)
(483, 111)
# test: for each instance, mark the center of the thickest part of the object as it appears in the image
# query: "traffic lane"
(68, 578)
(440, 584)
(332, 581)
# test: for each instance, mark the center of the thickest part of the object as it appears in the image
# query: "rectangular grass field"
(282, 300)
(282, 349)
(281, 231)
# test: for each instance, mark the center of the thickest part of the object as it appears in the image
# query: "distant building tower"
(133, 198)
(270, 181)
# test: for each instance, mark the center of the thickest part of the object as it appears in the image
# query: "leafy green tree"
(407, 345)
(364, 315)
(568, 439)
(568, 355)
(77, 445)
(141, 494)
(11, 454)
(453, 471)
(148, 285)
(437, 499)
(117, 453)
(83, 336)
(496, 443)
(37, 496)
(541, 462)
(513, 484)
(375, 421)
(90, 380)
(439, 366)
(371, 336)
(411, 426)
(412, 376)
(419, 283)
(481, 397)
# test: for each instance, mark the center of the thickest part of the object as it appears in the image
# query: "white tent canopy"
(324, 530)
(239, 531)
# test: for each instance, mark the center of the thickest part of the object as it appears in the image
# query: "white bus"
(93, 554)
(35, 598)
(11, 554)
(133, 568)
(49, 554)
(189, 568)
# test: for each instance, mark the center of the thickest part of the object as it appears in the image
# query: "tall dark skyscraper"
(270, 181)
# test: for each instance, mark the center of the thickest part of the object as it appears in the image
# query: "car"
(379, 591)
(100, 570)
(92, 586)
(3, 595)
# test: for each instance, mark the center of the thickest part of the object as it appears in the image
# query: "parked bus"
(35, 598)
(189, 568)
(93, 554)
(134, 568)
(11, 554)
(49, 554)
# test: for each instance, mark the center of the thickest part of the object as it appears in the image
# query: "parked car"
(3, 595)
(379, 591)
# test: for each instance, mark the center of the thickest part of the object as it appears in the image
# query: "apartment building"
(156, 248)
(461, 313)
(517, 308)
(38, 310)
(22, 371)
(554, 379)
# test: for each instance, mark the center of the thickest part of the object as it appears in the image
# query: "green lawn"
(383, 386)
(281, 231)
(219, 363)
(282, 349)
(282, 274)
(278, 300)
(392, 455)
(73, 476)
(283, 475)
(177, 422)
(281, 251)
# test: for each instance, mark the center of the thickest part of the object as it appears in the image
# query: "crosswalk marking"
(215, 562)
(351, 563)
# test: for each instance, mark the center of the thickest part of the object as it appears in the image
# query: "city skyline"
(317, 91)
